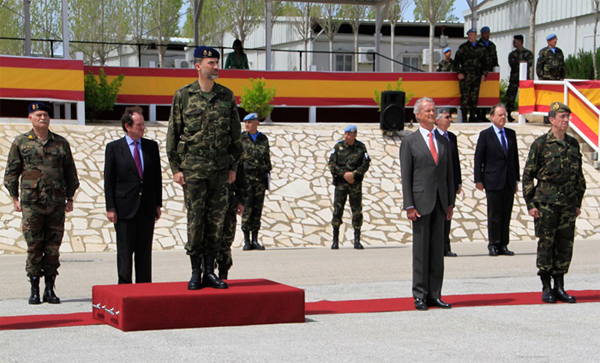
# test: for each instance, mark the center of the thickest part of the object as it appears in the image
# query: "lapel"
(425, 148)
(126, 155)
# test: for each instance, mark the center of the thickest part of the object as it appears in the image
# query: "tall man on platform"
(471, 66)
(133, 188)
(427, 188)
(515, 58)
(203, 146)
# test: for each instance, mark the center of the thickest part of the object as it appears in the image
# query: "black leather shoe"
(439, 303)
(450, 254)
(505, 251)
(420, 304)
(34, 299)
(493, 251)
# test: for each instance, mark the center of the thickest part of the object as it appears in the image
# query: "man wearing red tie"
(133, 188)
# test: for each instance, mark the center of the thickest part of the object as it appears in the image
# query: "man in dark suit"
(427, 185)
(497, 172)
(133, 187)
(443, 122)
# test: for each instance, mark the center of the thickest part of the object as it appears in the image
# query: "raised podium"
(170, 305)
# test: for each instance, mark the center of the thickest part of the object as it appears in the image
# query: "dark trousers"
(428, 254)
(447, 227)
(134, 237)
(499, 208)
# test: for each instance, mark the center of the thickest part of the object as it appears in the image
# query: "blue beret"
(447, 49)
(485, 29)
(350, 128)
(472, 30)
(550, 37)
(38, 106)
(251, 116)
(206, 52)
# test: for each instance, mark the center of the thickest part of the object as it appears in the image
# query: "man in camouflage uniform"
(256, 161)
(490, 49)
(551, 61)
(555, 201)
(471, 64)
(446, 64)
(515, 58)
(203, 146)
(348, 163)
(44, 163)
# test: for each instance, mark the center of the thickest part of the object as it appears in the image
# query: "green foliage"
(581, 66)
(397, 87)
(503, 88)
(434, 10)
(258, 98)
(99, 94)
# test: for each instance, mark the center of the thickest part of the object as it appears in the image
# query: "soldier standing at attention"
(348, 163)
(256, 161)
(446, 64)
(203, 146)
(551, 61)
(471, 65)
(490, 49)
(515, 58)
(555, 201)
(43, 161)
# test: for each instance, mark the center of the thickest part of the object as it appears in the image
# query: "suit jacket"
(456, 172)
(493, 168)
(125, 191)
(422, 179)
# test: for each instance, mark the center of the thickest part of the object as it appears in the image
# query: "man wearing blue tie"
(497, 172)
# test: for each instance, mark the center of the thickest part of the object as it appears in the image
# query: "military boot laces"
(49, 295)
(255, 244)
(357, 244)
(559, 290)
(547, 294)
(210, 279)
(34, 299)
(336, 239)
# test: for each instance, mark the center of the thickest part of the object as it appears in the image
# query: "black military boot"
(49, 295)
(196, 279)
(223, 270)
(509, 116)
(34, 299)
(357, 245)
(559, 290)
(463, 112)
(336, 238)
(247, 242)
(210, 279)
(547, 294)
(255, 244)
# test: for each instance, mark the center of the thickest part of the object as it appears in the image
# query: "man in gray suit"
(427, 189)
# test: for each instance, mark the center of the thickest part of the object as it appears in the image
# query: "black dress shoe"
(493, 251)
(439, 303)
(505, 251)
(420, 304)
(450, 254)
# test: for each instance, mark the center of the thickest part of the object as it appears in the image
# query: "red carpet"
(319, 307)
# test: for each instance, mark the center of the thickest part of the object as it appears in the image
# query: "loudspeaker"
(392, 110)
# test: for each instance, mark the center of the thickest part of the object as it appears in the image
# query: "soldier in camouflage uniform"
(471, 64)
(551, 61)
(203, 147)
(515, 58)
(348, 163)
(555, 201)
(44, 163)
(256, 161)
(446, 64)
(490, 49)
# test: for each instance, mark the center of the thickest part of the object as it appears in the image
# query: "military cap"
(550, 37)
(251, 116)
(447, 49)
(472, 30)
(559, 107)
(485, 29)
(206, 52)
(350, 128)
(38, 106)
(518, 37)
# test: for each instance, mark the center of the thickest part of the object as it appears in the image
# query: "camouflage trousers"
(224, 259)
(556, 230)
(43, 227)
(342, 191)
(206, 203)
(253, 205)
(469, 91)
(511, 95)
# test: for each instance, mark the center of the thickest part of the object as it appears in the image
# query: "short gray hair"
(494, 107)
(441, 112)
(420, 101)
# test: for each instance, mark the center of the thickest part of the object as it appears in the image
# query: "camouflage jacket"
(490, 53)
(256, 158)
(446, 66)
(471, 59)
(47, 170)
(514, 60)
(550, 65)
(557, 166)
(346, 158)
(204, 131)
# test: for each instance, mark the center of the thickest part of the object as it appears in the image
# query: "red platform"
(171, 305)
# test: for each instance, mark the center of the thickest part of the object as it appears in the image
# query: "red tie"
(432, 148)
(137, 159)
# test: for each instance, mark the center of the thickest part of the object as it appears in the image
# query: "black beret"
(206, 52)
(38, 106)
(518, 37)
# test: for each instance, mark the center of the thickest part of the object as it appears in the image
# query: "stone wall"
(298, 208)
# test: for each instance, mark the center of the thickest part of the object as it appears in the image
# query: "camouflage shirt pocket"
(192, 120)
(29, 183)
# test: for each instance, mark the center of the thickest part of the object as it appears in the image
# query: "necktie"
(137, 159)
(432, 148)
(504, 146)
(446, 136)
